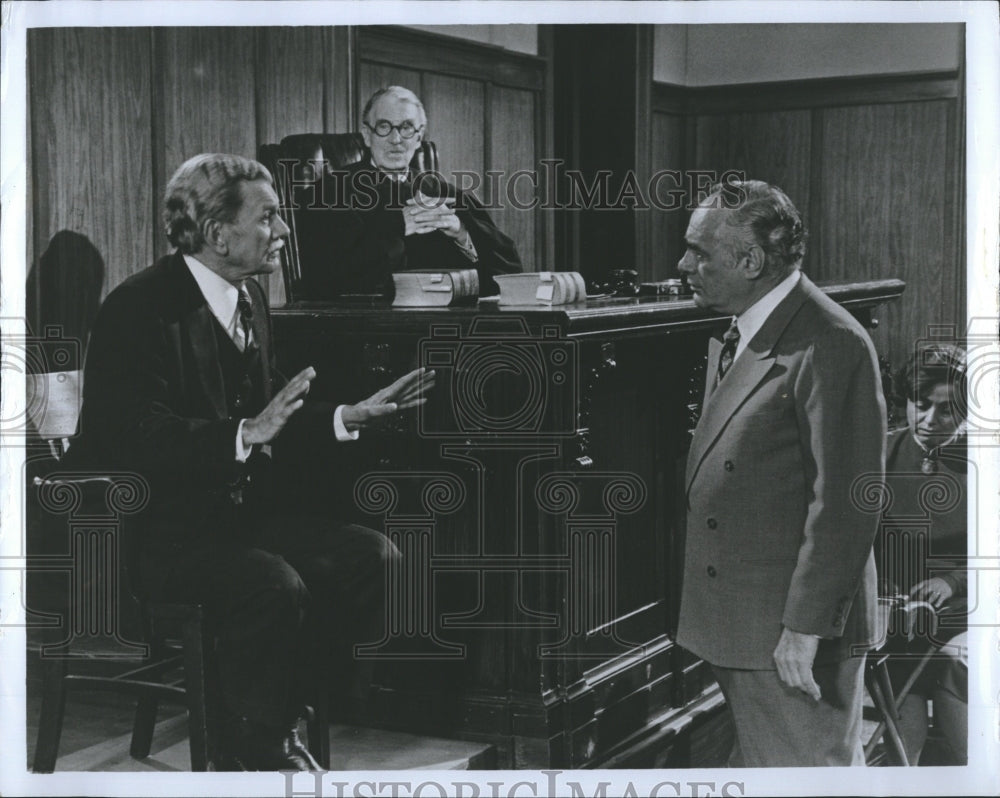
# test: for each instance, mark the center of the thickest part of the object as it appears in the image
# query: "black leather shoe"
(254, 746)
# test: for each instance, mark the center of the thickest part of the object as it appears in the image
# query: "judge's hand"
(794, 657)
(935, 591)
(265, 427)
(424, 214)
(408, 391)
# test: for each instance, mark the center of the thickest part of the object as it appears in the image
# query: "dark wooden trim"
(669, 98)
(806, 94)
(957, 223)
(815, 229)
(596, 317)
(157, 94)
(445, 55)
(545, 147)
(643, 232)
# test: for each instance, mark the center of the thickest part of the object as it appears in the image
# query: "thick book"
(427, 288)
(541, 288)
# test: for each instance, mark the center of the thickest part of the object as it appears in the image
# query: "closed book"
(541, 288)
(426, 288)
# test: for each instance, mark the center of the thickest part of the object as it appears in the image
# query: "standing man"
(181, 387)
(374, 218)
(779, 588)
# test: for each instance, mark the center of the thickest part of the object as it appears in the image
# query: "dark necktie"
(244, 306)
(730, 341)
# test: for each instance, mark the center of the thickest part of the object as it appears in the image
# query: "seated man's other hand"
(265, 427)
(408, 391)
(424, 214)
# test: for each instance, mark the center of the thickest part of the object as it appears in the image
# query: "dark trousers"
(281, 601)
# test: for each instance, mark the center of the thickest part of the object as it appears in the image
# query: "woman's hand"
(935, 591)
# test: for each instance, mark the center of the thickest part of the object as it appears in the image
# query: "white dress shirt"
(222, 298)
(752, 319)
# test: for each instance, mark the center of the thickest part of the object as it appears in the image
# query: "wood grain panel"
(290, 79)
(446, 55)
(205, 93)
(824, 92)
(372, 77)
(884, 176)
(456, 121)
(339, 83)
(512, 148)
(774, 147)
(667, 229)
(91, 165)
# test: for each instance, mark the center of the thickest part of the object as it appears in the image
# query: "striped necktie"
(245, 308)
(730, 341)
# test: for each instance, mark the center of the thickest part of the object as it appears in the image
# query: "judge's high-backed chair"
(298, 160)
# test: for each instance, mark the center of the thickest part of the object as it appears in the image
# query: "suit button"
(238, 402)
(729, 465)
(711, 571)
(712, 523)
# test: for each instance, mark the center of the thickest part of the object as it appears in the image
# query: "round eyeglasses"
(383, 128)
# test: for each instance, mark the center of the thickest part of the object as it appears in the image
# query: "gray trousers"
(779, 726)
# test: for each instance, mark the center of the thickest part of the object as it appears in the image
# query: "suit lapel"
(198, 326)
(712, 367)
(743, 377)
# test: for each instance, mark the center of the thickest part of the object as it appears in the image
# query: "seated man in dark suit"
(357, 226)
(181, 387)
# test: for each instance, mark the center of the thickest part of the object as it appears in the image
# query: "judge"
(359, 225)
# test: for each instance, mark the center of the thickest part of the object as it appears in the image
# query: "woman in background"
(922, 545)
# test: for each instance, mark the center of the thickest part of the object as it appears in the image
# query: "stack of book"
(541, 288)
(424, 288)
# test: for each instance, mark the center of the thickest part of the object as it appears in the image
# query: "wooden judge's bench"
(537, 501)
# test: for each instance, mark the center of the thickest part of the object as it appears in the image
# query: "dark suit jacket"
(154, 400)
(351, 239)
(775, 536)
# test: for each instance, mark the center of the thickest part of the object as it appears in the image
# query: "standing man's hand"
(794, 657)
(408, 391)
(265, 427)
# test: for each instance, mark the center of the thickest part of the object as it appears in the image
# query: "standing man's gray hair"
(771, 218)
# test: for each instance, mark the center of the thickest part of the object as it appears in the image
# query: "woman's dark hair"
(929, 366)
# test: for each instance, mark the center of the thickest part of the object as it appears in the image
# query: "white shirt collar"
(220, 294)
(398, 177)
(752, 319)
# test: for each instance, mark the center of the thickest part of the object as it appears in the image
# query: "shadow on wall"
(63, 290)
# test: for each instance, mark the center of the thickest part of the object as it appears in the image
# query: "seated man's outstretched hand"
(408, 391)
(265, 427)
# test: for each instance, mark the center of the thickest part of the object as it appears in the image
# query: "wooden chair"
(175, 660)
(885, 745)
(298, 160)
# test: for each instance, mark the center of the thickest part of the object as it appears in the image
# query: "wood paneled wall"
(874, 164)
(114, 111)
